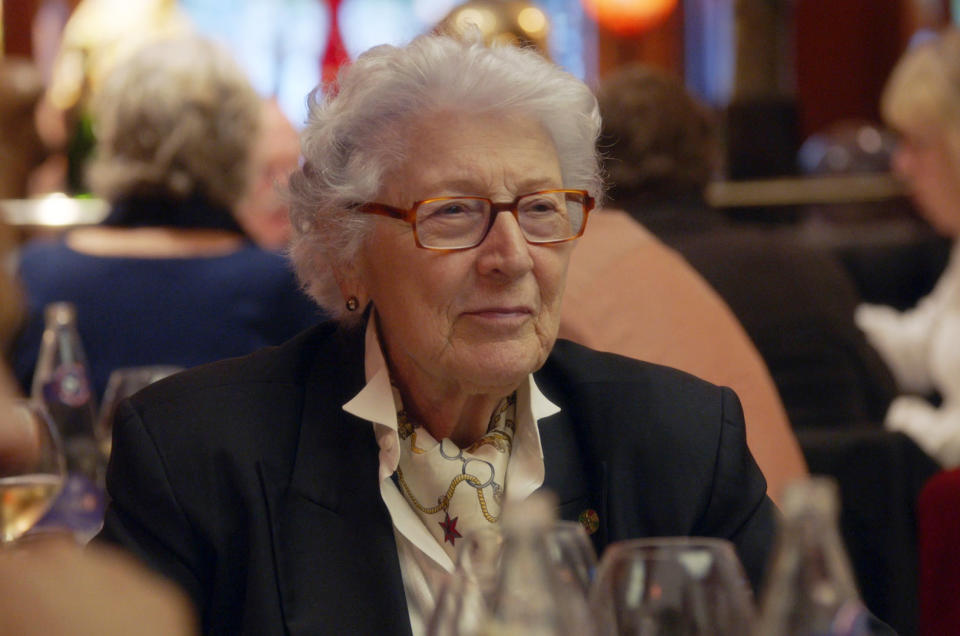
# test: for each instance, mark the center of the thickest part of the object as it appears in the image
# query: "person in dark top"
(661, 148)
(169, 277)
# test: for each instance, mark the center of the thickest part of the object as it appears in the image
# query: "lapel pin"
(589, 520)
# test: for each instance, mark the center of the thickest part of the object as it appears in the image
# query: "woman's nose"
(504, 249)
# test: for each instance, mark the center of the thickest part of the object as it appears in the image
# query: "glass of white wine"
(32, 466)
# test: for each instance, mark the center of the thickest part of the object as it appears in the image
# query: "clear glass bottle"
(810, 589)
(62, 382)
(532, 598)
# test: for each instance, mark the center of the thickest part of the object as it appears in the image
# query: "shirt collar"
(374, 403)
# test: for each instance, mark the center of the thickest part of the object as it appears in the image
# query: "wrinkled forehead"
(483, 154)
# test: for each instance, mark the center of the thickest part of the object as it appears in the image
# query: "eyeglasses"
(450, 224)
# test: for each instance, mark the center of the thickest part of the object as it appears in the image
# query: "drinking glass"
(676, 586)
(467, 596)
(32, 466)
(572, 552)
(464, 600)
(121, 384)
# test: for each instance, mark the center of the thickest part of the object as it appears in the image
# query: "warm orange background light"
(629, 17)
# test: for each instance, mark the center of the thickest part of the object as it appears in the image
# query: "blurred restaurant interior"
(795, 87)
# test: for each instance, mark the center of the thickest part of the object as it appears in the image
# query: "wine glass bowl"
(686, 586)
(464, 600)
(121, 384)
(32, 466)
(572, 552)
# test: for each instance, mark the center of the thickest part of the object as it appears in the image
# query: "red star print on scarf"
(450, 529)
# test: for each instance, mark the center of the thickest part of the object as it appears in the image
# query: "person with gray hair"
(324, 486)
(168, 277)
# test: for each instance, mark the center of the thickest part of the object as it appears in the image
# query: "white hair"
(355, 136)
(176, 117)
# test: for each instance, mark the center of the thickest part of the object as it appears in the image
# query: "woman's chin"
(501, 366)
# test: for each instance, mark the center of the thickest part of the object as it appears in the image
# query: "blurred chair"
(881, 475)
(797, 304)
(938, 527)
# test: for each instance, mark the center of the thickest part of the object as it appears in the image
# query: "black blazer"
(246, 483)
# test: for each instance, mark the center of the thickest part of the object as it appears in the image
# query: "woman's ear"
(350, 281)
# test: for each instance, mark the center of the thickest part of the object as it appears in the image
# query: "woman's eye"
(451, 209)
(541, 206)
(454, 209)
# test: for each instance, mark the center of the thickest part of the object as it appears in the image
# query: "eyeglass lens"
(463, 221)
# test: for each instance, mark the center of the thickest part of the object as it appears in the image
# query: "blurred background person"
(922, 102)
(96, 35)
(169, 277)
(262, 212)
(661, 150)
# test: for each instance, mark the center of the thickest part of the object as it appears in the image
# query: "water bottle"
(810, 589)
(62, 382)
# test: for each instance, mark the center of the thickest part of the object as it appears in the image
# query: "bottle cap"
(60, 313)
(817, 494)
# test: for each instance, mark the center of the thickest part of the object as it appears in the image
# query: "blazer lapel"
(573, 474)
(336, 558)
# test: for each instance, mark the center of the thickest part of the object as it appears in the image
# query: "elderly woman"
(169, 277)
(921, 101)
(323, 486)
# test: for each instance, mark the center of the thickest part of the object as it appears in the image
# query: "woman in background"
(922, 102)
(169, 277)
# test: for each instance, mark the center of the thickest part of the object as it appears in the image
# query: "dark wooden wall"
(844, 53)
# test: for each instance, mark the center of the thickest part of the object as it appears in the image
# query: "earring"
(352, 303)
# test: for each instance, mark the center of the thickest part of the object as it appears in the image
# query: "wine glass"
(32, 466)
(668, 586)
(121, 384)
(572, 552)
(464, 599)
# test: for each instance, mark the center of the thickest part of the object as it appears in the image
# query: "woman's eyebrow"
(473, 187)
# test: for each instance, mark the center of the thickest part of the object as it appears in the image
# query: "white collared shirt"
(423, 561)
